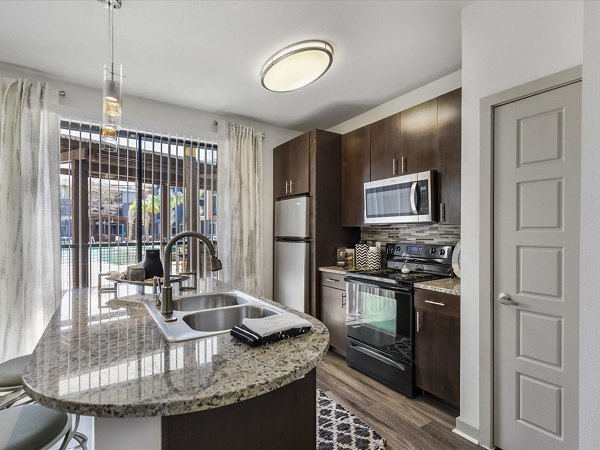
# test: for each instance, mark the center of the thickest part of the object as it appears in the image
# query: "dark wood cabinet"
(291, 163)
(419, 137)
(437, 344)
(281, 171)
(299, 164)
(386, 153)
(285, 418)
(356, 170)
(333, 310)
(449, 155)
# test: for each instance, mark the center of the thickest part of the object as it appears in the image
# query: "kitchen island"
(105, 357)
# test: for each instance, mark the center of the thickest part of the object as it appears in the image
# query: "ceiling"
(208, 54)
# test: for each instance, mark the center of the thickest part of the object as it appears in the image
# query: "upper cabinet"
(299, 164)
(291, 167)
(281, 170)
(405, 142)
(386, 154)
(449, 153)
(422, 138)
(419, 139)
(356, 170)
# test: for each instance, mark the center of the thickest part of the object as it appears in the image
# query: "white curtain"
(239, 191)
(30, 280)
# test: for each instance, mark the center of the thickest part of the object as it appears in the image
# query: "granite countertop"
(447, 285)
(336, 269)
(106, 357)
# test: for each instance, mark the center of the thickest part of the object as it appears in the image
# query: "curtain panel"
(30, 280)
(240, 207)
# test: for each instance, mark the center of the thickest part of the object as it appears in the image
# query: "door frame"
(486, 235)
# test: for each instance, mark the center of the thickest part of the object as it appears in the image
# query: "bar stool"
(34, 427)
(30, 425)
(11, 383)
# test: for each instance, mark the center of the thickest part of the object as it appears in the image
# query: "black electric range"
(380, 316)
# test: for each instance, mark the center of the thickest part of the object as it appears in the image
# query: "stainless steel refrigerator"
(292, 253)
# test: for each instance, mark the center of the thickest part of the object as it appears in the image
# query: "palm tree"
(151, 206)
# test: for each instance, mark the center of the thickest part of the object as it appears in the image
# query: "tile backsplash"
(426, 234)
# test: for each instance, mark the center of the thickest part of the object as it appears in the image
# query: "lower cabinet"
(437, 344)
(333, 310)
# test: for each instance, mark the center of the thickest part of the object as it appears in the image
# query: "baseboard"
(466, 431)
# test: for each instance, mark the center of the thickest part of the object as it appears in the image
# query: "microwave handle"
(413, 199)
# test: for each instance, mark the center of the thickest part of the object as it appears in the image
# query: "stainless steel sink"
(204, 315)
(225, 318)
(207, 301)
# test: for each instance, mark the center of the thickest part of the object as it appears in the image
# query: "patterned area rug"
(340, 430)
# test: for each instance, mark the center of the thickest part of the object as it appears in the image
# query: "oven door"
(381, 317)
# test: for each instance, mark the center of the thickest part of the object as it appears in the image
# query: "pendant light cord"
(111, 39)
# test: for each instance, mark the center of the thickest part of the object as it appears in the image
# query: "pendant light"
(297, 65)
(112, 106)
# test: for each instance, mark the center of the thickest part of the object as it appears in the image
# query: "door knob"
(505, 299)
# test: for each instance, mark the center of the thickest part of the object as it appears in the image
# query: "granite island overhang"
(108, 359)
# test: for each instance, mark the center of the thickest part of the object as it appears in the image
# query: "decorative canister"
(361, 252)
(374, 258)
(152, 264)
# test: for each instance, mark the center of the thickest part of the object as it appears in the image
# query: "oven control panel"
(441, 253)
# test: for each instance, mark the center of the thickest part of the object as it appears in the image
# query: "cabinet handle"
(331, 280)
(287, 187)
(291, 187)
(394, 166)
(442, 212)
(343, 300)
(403, 164)
(419, 321)
(431, 302)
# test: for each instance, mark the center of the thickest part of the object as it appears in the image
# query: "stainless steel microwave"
(404, 199)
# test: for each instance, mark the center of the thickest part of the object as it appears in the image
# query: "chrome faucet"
(166, 303)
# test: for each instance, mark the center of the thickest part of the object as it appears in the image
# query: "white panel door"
(536, 270)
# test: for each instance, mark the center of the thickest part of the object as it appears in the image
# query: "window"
(110, 199)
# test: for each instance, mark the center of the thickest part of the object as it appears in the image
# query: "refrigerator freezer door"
(291, 218)
(291, 274)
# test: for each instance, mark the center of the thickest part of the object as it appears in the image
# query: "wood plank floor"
(420, 423)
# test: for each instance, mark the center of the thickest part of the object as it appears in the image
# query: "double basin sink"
(203, 315)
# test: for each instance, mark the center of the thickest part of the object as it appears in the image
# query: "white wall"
(405, 101)
(505, 44)
(84, 103)
(589, 396)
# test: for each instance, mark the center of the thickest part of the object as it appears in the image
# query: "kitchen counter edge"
(445, 285)
(237, 373)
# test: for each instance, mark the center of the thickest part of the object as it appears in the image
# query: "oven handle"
(376, 355)
(413, 198)
(382, 286)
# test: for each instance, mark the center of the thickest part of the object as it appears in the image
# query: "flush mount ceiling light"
(296, 66)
